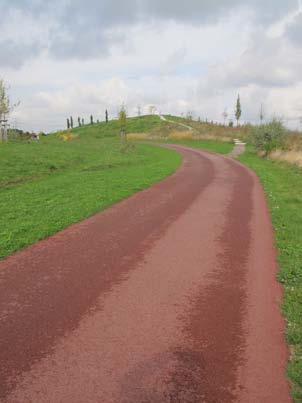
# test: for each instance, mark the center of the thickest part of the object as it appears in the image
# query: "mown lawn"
(283, 187)
(46, 186)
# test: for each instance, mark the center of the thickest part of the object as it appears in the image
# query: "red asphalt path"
(168, 296)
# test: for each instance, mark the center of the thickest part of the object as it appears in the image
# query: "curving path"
(168, 296)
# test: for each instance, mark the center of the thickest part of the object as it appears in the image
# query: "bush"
(268, 137)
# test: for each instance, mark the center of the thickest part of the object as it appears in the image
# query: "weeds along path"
(168, 296)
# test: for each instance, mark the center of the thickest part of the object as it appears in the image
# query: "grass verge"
(283, 184)
(46, 186)
(207, 145)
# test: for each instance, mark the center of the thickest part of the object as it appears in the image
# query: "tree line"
(81, 121)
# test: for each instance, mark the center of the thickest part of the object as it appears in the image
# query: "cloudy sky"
(76, 57)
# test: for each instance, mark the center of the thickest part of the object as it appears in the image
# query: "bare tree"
(5, 108)
(225, 116)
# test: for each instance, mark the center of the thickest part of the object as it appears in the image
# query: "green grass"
(46, 186)
(283, 187)
(214, 146)
(26, 161)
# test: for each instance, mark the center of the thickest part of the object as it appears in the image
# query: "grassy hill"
(47, 185)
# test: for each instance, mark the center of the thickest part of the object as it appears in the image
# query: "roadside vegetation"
(207, 130)
(49, 184)
(214, 146)
(274, 141)
(283, 186)
(275, 154)
(170, 132)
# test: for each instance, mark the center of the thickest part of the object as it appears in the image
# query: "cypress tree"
(106, 116)
(91, 119)
(238, 110)
(71, 122)
(79, 121)
(68, 124)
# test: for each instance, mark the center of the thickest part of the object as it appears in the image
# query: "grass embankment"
(175, 134)
(213, 131)
(46, 186)
(283, 187)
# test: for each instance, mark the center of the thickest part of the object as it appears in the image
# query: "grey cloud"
(294, 30)
(87, 29)
(14, 54)
(85, 25)
(267, 63)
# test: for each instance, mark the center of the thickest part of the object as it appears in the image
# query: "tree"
(79, 121)
(91, 119)
(83, 122)
(238, 110)
(68, 124)
(122, 116)
(261, 114)
(71, 122)
(106, 116)
(225, 116)
(5, 108)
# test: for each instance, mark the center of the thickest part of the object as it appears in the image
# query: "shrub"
(268, 137)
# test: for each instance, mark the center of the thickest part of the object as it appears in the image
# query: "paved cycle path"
(168, 296)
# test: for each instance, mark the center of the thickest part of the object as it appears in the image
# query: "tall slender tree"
(122, 116)
(68, 124)
(71, 122)
(91, 119)
(79, 121)
(238, 110)
(83, 122)
(106, 116)
(261, 114)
